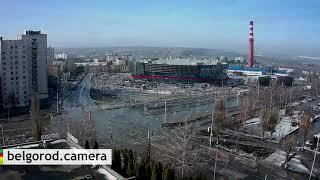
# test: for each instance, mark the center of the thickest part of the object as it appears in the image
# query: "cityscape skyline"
(280, 27)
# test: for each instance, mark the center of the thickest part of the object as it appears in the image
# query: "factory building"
(180, 70)
(246, 71)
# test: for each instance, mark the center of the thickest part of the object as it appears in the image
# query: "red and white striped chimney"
(251, 46)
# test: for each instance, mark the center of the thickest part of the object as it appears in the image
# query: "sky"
(280, 27)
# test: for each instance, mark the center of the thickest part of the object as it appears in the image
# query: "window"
(4, 84)
(24, 77)
(11, 73)
(23, 57)
(11, 57)
(4, 68)
(3, 58)
(17, 78)
(11, 47)
(3, 53)
(4, 73)
(23, 46)
(24, 92)
(16, 62)
(16, 47)
(4, 63)
(17, 67)
(16, 57)
(16, 52)
(12, 78)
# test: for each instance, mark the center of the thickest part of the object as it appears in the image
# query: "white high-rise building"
(23, 68)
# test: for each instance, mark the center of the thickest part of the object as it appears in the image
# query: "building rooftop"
(30, 32)
(39, 172)
(241, 68)
(177, 61)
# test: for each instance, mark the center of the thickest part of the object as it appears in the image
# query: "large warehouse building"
(180, 70)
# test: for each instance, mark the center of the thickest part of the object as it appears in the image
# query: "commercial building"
(23, 68)
(255, 72)
(246, 71)
(180, 70)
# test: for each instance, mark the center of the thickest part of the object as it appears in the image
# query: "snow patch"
(106, 174)
(295, 164)
(58, 141)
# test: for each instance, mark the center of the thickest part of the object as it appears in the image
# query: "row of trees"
(283, 80)
(127, 164)
(70, 66)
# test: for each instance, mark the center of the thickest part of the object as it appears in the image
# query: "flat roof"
(184, 62)
(54, 172)
(241, 68)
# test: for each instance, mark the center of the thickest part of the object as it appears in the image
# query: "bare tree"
(264, 121)
(87, 128)
(11, 103)
(181, 152)
(273, 121)
(243, 113)
(269, 121)
(304, 127)
(219, 116)
(288, 147)
(36, 123)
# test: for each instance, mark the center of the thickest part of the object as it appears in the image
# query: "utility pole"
(149, 149)
(211, 127)
(314, 158)
(258, 91)
(211, 134)
(215, 165)
(57, 101)
(2, 135)
(165, 111)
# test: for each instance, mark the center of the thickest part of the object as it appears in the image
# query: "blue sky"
(280, 26)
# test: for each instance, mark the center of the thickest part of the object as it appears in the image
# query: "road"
(126, 126)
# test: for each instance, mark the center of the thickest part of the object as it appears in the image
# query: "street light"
(2, 134)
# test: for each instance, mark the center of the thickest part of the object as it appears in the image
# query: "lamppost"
(2, 134)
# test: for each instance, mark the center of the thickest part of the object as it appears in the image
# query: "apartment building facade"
(23, 69)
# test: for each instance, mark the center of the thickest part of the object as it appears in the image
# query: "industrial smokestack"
(251, 46)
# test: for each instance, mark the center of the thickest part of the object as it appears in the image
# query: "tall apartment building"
(23, 68)
(50, 55)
